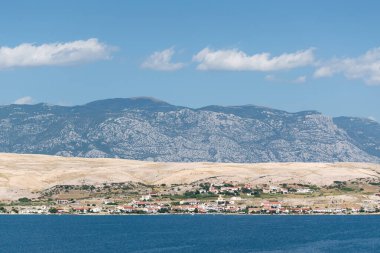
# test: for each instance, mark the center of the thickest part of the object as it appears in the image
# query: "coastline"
(192, 214)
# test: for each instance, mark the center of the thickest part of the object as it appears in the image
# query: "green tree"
(163, 210)
(53, 210)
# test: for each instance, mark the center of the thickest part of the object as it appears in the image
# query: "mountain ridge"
(145, 128)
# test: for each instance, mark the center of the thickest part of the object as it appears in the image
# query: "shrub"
(23, 200)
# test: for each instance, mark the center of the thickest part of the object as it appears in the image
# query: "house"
(271, 204)
(153, 209)
(140, 203)
(274, 189)
(370, 210)
(304, 190)
(231, 209)
(233, 199)
(340, 210)
(284, 210)
(271, 189)
(229, 189)
(95, 210)
(213, 190)
(300, 210)
(62, 201)
(128, 209)
(191, 208)
(254, 210)
(211, 207)
(145, 197)
(62, 210)
(80, 209)
(221, 200)
(108, 201)
(321, 210)
(248, 186)
(266, 190)
(184, 208)
(154, 194)
(27, 211)
(355, 210)
(272, 210)
(177, 208)
(189, 202)
(113, 211)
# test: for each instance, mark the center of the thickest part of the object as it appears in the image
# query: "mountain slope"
(149, 129)
(364, 132)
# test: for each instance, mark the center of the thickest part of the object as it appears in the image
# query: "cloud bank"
(365, 67)
(31, 55)
(162, 61)
(236, 60)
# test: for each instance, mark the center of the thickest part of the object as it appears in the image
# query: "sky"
(290, 55)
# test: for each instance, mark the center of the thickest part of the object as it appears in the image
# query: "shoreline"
(195, 214)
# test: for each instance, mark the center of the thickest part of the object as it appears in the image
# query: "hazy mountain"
(150, 129)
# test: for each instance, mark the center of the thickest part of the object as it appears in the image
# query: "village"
(355, 197)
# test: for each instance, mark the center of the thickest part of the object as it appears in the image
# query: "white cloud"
(161, 60)
(270, 78)
(300, 79)
(31, 55)
(237, 60)
(273, 78)
(365, 67)
(24, 101)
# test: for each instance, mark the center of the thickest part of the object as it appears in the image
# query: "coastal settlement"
(202, 197)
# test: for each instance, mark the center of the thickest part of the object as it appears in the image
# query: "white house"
(304, 190)
(145, 197)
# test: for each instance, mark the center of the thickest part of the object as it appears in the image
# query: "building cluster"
(226, 197)
(149, 205)
(141, 207)
(276, 207)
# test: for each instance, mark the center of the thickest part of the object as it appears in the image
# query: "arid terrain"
(22, 175)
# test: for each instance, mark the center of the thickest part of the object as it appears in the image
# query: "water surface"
(181, 233)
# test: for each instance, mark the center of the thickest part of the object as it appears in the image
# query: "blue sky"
(291, 55)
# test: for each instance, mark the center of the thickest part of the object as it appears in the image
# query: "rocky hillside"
(149, 129)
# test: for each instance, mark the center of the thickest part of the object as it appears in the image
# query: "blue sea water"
(186, 233)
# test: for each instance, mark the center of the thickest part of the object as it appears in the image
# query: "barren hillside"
(20, 175)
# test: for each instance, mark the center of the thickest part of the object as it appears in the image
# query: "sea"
(189, 233)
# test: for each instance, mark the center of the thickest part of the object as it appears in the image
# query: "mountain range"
(152, 130)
